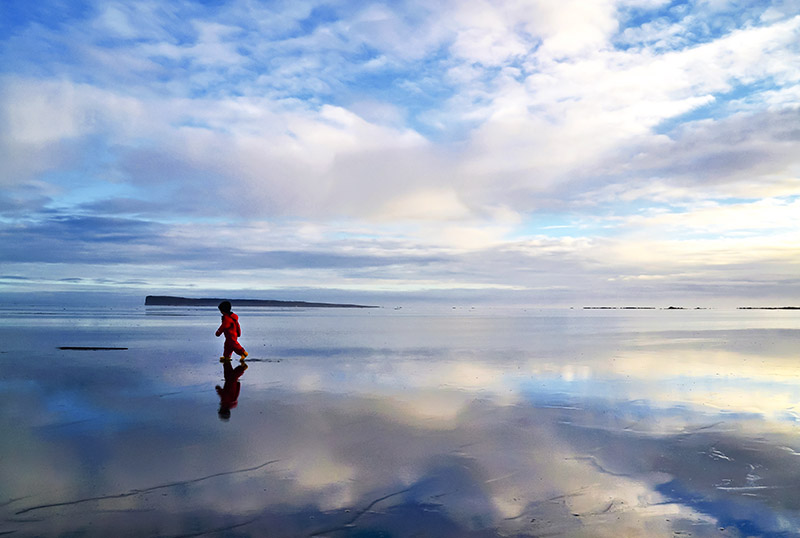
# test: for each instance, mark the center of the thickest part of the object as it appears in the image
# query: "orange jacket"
(230, 326)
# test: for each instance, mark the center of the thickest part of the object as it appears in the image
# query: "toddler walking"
(230, 327)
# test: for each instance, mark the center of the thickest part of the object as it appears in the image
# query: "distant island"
(619, 307)
(640, 308)
(167, 300)
(769, 308)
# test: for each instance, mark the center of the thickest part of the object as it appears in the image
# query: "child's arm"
(222, 327)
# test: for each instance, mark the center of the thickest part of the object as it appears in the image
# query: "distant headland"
(167, 300)
(769, 308)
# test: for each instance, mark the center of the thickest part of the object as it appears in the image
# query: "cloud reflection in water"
(449, 438)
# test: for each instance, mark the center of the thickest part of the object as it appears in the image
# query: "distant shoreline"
(167, 300)
(769, 308)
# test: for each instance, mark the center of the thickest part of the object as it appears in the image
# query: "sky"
(525, 152)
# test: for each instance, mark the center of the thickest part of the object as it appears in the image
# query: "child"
(230, 326)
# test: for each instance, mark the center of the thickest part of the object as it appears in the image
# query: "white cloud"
(45, 123)
(215, 46)
(566, 115)
(425, 204)
(573, 28)
(747, 218)
(36, 113)
(482, 33)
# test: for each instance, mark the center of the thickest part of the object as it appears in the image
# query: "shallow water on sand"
(466, 422)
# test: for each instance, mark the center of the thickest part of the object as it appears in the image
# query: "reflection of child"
(230, 327)
(229, 392)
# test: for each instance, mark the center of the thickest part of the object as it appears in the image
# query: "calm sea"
(412, 422)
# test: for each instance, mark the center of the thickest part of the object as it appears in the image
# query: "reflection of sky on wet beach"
(456, 423)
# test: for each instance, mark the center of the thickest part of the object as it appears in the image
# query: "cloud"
(753, 219)
(448, 128)
(565, 119)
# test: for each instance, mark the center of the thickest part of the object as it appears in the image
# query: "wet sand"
(379, 423)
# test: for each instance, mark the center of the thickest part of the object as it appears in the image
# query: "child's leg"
(239, 349)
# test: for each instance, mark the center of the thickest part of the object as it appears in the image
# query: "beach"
(441, 422)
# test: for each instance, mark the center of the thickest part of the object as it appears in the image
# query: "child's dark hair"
(225, 306)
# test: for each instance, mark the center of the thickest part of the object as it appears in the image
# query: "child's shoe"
(224, 359)
(242, 358)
